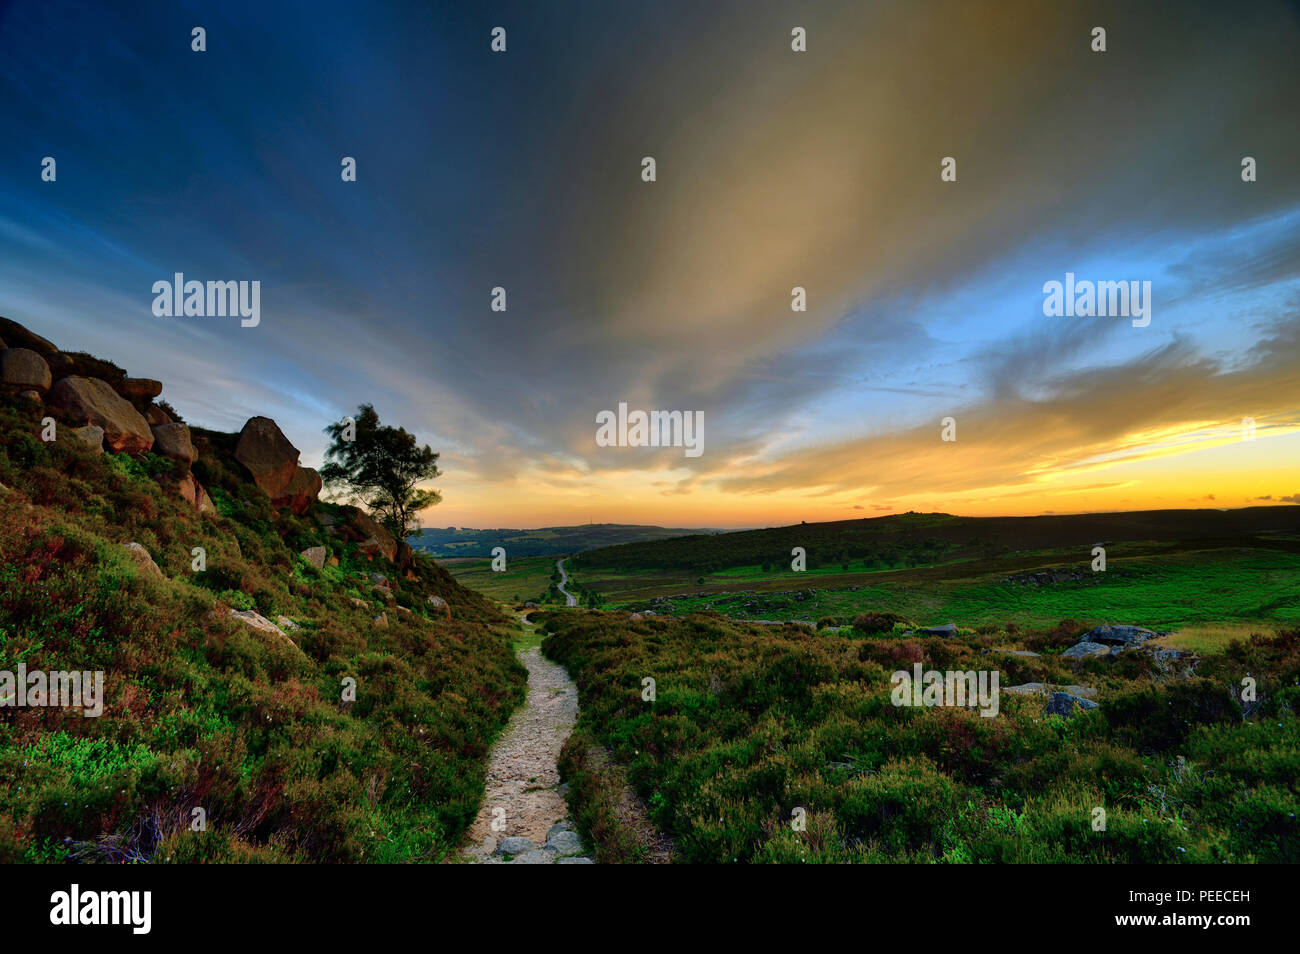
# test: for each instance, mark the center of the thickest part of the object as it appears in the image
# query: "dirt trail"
(570, 599)
(523, 796)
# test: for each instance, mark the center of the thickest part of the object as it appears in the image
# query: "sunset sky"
(775, 169)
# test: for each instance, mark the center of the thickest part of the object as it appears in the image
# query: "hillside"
(544, 541)
(913, 539)
(281, 680)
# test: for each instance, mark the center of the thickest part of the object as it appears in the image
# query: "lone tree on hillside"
(381, 466)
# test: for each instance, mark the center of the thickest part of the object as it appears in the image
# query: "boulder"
(538, 856)
(375, 540)
(1118, 635)
(192, 493)
(315, 556)
(515, 845)
(405, 556)
(22, 369)
(575, 861)
(93, 435)
(1086, 650)
(380, 621)
(1064, 704)
(138, 389)
(947, 629)
(173, 440)
(565, 843)
(285, 622)
(267, 454)
(61, 365)
(19, 337)
(383, 591)
(142, 559)
(255, 620)
(156, 416)
(300, 492)
(437, 602)
(33, 396)
(91, 401)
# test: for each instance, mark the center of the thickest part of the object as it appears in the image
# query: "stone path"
(524, 819)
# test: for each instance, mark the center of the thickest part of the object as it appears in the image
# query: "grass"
(1178, 584)
(523, 579)
(751, 723)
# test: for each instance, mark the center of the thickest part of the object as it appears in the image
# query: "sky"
(774, 169)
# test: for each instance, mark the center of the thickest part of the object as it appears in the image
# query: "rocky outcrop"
(438, 603)
(947, 629)
(92, 401)
(22, 369)
(173, 440)
(142, 559)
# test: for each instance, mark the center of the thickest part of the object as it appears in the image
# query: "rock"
(93, 435)
(286, 623)
(404, 556)
(380, 621)
(564, 843)
(315, 556)
(19, 337)
(1063, 704)
(192, 493)
(538, 856)
(91, 401)
(362, 604)
(437, 602)
(375, 539)
(142, 559)
(257, 621)
(300, 492)
(557, 828)
(529, 605)
(1086, 650)
(332, 561)
(173, 440)
(383, 591)
(575, 861)
(139, 389)
(1118, 635)
(947, 629)
(635, 617)
(268, 455)
(515, 845)
(22, 369)
(1024, 653)
(1040, 688)
(156, 416)
(33, 396)
(378, 578)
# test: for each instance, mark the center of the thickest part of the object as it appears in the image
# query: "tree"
(381, 466)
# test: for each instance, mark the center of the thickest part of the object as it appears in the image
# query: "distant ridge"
(543, 541)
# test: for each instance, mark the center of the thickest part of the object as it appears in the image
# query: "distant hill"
(544, 541)
(914, 539)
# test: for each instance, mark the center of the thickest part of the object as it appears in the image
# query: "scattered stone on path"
(565, 843)
(515, 845)
(574, 861)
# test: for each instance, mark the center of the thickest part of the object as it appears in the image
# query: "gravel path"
(524, 817)
(570, 599)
